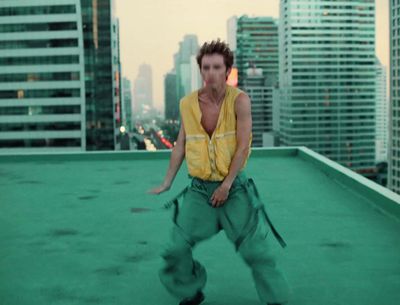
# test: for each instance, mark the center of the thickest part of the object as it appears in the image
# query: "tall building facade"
(257, 62)
(394, 118)
(171, 100)
(257, 47)
(143, 90)
(261, 104)
(183, 64)
(98, 18)
(231, 26)
(42, 88)
(126, 109)
(327, 79)
(185, 76)
(196, 81)
(382, 114)
(117, 82)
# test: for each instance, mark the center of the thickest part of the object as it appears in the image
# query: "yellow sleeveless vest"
(209, 158)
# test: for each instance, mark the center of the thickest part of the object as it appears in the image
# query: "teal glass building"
(257, 61)
(100, 81)
(170, 97)
(394, 112)
(257, 47)
(183, 65)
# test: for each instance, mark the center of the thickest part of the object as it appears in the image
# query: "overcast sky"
(150, 30)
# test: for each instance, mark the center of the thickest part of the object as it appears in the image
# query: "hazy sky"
(150, 30)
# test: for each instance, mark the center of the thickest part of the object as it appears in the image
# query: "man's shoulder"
(189, 98)
(238, 95)
(242, 95)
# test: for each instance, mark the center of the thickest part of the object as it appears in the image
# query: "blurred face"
(213, 70)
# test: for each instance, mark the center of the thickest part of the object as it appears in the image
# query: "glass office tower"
(170, 97)
(382, 114)
(257, 62)
(257, 47)
(394, 112)
(183, 66)
(327, 79)
(98, 33)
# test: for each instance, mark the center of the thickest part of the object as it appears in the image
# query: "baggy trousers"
(245, 223)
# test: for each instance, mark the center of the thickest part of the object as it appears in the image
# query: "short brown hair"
(216, 47)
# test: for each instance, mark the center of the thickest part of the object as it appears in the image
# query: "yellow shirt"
(210, 158)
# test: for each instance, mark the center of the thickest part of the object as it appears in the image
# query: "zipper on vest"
(211, 153)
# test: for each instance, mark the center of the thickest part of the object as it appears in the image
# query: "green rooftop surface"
(80, 229)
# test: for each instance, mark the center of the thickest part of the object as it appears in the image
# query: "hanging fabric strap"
(259, 207)
(175, 202)
(251, 189)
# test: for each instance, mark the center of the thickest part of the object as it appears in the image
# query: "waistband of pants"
(239, 179)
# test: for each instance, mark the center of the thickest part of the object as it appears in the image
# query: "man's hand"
(220, 195)
(160, 189)
(177, 156)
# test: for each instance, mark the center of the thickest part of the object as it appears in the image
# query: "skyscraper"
(171, 101)
(394, 118)
(97, 19)
(257, 47)
(42, 89)
(143, 90)
(196, 81)
(232, 31)
(382, 114)
(126, 110)
(117, 80)
(183, 64)
(261, 105)
(257, 62)
(327, 79)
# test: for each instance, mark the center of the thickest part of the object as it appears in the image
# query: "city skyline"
(136, 28)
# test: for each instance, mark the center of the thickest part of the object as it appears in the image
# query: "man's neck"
(216, 94)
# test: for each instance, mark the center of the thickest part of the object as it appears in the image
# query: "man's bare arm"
(243, 134)
(177, 156)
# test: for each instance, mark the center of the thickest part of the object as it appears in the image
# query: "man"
(215, 138)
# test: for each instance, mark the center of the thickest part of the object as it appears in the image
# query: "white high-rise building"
(42, 83)
(196, 81)
(232, 31)
(394, 117)
(327, 79)
(143, 90)
(382, 114)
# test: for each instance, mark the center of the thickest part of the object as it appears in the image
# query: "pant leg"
(257, 247)
(197, 220)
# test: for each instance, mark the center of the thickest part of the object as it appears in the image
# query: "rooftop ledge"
(382, 197)
(79, 228)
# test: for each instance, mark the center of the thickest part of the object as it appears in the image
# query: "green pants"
(242, 218)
